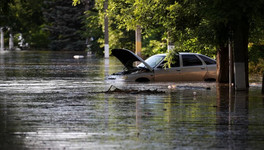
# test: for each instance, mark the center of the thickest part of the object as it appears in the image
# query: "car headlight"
(124, 77)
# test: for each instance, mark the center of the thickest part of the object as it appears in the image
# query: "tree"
(232, 19)
(93, 31)
(65, 25)
(24, 17)
(4, 11)
(29, 22)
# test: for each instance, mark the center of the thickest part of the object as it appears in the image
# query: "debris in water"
(194, 87)
(171, 86)
(78, 56)
(114, 89)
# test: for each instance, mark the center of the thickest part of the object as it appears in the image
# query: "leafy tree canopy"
(198, 26)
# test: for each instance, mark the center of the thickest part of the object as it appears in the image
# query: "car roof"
(181, 53)
(187, 53)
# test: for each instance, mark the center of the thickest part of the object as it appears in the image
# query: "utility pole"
(11, 39)
(106, 37)
(1, 39)
(262, 91)
(170, 41)
(138, 40)
(230, 56)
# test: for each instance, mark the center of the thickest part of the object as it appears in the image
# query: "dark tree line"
(44, 24)
(65, 25)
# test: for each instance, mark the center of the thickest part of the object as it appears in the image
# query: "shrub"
(256, 67)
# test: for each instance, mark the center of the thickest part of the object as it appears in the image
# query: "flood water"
(48, 100)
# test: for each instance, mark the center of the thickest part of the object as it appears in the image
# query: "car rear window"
(191, 60)
(208, 61)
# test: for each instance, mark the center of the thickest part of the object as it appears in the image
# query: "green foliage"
(24, 17)
(154, 41)
(93, 32)
(5, 11)
(170, 57)
(39, 39)
(121, 38)
(257, 67)
(122, 12)
(256, 59)
(75, 2)
(256, 52)
(197, 26)
(194, 26)
(189, 42)
(32, 31)
(154, 47)
(178, 18)
(157, 18)
(256, 30)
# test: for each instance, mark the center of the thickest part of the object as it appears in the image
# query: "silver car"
(185, 67)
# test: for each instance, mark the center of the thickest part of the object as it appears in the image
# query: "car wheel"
(142, 80)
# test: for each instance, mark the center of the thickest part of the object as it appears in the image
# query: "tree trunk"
(222, 36)
(240, 37)
(222, 65)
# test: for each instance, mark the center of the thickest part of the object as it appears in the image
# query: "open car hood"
(127, 58)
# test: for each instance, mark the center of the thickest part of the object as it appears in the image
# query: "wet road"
(51, 101)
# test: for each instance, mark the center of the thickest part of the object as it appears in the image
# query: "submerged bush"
(256, 67)
(256, 59)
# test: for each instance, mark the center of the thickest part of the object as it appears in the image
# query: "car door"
(193, 69)
(210, 65)
(173, 73)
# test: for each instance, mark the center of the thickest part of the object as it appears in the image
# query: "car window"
(207, 60)
(191, 60)
(152, 61)
(175, 61)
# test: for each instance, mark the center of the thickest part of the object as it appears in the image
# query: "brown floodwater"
(49, 100)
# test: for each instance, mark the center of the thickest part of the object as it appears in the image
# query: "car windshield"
(152, 61)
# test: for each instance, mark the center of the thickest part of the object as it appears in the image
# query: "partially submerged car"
(184, 67)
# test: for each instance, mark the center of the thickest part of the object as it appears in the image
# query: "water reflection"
(8, 126)
(42, 108)
(232, 118)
